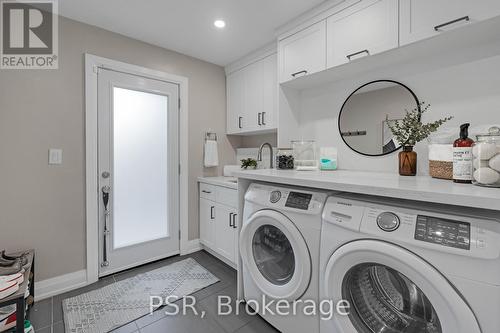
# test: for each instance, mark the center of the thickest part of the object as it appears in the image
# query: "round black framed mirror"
(363, 119)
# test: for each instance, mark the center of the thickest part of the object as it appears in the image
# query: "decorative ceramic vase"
(407, 161)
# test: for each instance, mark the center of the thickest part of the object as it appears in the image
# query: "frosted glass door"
(138, 164)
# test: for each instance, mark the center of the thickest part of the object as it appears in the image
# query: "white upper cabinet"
(252, 94)
(422, 19)
(302, 53)
(235, 87)
(367, 28)
(269, 114)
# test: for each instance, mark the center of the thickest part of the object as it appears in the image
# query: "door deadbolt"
(105, 174)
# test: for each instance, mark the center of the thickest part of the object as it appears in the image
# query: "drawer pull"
(239, 122)
(465, 18)
(357, 53)
(301, 72)
(212, 213)
(230, 220)
(259, 118)
(263, 119)
(205, 191)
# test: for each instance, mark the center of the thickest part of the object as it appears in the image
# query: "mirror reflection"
(364, 116)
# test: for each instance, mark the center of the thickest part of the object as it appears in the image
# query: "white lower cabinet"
(367, 28)
(218, 221)
(421, 19)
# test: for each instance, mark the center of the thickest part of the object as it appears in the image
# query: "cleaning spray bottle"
(462, 156)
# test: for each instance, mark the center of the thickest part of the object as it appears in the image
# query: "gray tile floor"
(47, 316)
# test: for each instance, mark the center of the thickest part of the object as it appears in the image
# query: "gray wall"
(43, 206)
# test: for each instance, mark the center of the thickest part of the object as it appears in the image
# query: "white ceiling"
(186, 26)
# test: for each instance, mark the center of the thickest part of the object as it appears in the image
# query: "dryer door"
(392, 290)
(275, 255)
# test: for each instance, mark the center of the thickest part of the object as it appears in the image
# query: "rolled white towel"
(211, 154)
(441, 152)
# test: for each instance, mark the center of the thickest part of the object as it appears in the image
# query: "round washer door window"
(390, 289)
(275, 254)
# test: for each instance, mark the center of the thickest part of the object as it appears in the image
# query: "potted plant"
(409, 131)
(248, 163)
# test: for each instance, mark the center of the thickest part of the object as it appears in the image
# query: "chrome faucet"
(259, 154)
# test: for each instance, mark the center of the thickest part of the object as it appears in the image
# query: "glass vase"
(407, 161)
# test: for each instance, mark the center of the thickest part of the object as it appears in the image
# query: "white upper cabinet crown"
(422, 19)
(252, 97)
(303, 53)
(367, 28)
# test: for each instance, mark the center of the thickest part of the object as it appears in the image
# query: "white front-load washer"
(410, 267)
(279, 248)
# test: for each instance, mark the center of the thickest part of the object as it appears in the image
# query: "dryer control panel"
(443, 231)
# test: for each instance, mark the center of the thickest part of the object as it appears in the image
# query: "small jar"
(486, 159)
(284, 159)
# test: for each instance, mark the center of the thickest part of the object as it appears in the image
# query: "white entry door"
(138, 131)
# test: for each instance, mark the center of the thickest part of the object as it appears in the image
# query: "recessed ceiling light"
(219, 24)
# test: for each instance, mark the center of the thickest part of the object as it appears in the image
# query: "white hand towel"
(211, 154)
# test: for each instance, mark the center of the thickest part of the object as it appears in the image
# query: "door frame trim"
(92, 65)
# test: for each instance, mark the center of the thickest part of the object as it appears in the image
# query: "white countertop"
(419, 188)
(230, 182)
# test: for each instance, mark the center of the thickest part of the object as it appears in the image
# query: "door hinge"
(95, 69)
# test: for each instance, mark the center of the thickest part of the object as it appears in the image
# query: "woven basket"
(441, 169)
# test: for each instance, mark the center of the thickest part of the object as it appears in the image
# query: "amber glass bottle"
(462, 156)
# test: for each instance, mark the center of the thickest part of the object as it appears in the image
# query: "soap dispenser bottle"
(462, 156)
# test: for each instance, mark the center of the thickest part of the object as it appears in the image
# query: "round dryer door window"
(392, 290)
(275, 255)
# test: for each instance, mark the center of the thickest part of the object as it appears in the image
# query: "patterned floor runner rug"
(107, 308)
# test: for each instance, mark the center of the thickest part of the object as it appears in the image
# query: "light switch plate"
(55, 156)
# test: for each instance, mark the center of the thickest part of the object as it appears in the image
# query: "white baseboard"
(60, 284)
(191, 246)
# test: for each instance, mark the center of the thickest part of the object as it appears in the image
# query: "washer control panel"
(298, 200)
(444, 232)
(388, 221)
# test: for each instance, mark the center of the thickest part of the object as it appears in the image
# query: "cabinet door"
(268, 117)
(422, 19)
(224, 232)
(207, 222)
(303, 53)
(368, 28)
(254, 95)
(235, 87)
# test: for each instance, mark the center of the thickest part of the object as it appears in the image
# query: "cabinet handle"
(258, 117)
(263, 119)
(239, 122)
(465, 18)
(205, 191)
(357, 53)
(230, 219)
(301, 72)
(212, 213)
(234, 221)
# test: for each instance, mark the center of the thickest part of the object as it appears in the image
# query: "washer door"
(392, 290)
(275, 255)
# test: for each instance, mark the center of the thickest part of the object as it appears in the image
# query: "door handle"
(239, 122)
(212, 213)
(105, 200)
(234, 221)
(300, 72)
(205, 191)
(465, 18)
(349, 56)
(259, 117)
(263, 119)
(230, 220)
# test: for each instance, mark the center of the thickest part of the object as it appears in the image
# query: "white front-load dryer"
(279, 248)
(406, 267)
